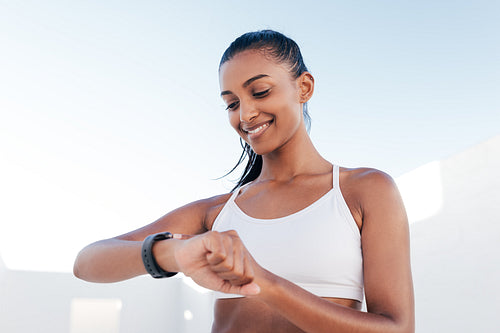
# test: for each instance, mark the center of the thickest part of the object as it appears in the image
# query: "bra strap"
(336, 175)
(234, 195)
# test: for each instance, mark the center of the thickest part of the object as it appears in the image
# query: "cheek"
(234, 119)
(289, 111)
(286, 102)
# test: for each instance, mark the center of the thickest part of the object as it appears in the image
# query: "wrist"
(268, 283)
(164, 253)
(148, 257)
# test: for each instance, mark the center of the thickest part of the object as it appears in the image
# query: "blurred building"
(456, 251)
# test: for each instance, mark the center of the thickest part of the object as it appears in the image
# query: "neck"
(296, 157)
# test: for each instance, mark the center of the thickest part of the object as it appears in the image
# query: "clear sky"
(111, 115)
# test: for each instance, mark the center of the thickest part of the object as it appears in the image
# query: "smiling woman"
(300, 242)
(265, 110)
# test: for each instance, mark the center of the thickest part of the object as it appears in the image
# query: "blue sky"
(111, 114)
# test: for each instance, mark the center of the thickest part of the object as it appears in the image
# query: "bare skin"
(265, 106)
(239, 314)
(250, 315)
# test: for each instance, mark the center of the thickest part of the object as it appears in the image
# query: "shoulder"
(367, 190)
(366, 176)
(366, 181)
(212, 202)
(212, 207)
(208, 208)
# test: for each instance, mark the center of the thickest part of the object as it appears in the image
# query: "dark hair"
(281, 49)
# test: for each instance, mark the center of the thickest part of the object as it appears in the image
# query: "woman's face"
(263, 100)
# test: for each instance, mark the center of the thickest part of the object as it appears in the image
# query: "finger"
(236, 276)
(249, 289)
(215, 248)
(239, 266)
(226, 265)
(249, 271)
(232, 233)
(242, 272)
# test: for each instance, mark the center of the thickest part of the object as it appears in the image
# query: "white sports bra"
(318, 248)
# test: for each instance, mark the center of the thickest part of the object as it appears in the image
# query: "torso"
(267, 201)
(245, 315)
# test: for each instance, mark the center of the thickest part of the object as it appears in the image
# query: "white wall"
(455, 253)
(41, 302)
(455, 260)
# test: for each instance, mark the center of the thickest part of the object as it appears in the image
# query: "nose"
(248, 112)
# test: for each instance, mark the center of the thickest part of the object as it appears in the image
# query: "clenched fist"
(218, 261)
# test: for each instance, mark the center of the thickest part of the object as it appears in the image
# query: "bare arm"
(387, 272)
(109, 260)
(119, 258)
(386, 265)
(219, 261)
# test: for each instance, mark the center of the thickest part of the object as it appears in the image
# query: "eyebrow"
(246, 83)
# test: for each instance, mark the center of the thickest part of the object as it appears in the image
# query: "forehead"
(247, 64)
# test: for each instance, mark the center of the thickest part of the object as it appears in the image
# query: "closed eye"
(232, 106)
(261, 93)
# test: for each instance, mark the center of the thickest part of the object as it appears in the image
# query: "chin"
(262, 149)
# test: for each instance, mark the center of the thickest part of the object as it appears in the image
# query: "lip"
(251, 128)
(248, 130)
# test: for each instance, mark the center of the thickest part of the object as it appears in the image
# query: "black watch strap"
(149, 260)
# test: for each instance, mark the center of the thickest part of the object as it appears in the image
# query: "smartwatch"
(148, 259)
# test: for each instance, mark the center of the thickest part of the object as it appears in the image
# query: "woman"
(299, 241)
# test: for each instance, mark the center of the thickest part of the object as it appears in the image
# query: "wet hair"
(281, 49)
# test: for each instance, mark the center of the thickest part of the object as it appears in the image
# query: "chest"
(279, 202)
(318, 241)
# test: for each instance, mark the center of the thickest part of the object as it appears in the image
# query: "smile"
(254, 132)
(258, 129)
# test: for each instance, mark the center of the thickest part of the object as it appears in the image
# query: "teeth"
(258, 129)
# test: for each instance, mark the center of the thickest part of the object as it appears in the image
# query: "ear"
(306, 86)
